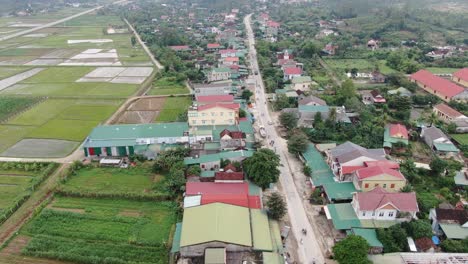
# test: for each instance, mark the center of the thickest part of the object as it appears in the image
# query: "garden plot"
(142, 111)
(130, 75)
(94, 57)
(5, 83)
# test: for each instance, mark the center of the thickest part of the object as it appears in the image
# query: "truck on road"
(262, 131)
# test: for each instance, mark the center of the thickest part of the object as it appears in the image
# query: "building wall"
(213, 165)
(442, 116)
(388, 183)
(460, 81)
(302, 86)
(218, 76)
(199, 250)
(429, 90)
(213, 116)
(385, 214)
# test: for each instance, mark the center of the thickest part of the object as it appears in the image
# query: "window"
(363, 213)
(392, 186)
(381, 214)
(385, 185)
(366, 185)
(230, 113)
(213, 113)
(194, 122)
(376, 185)
(221, 114)
(390, 214)
(212, 121)
(203, 121)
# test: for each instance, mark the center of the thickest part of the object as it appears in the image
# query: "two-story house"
(218, 74)
(302, 83)
(204, 89)
(291, 72)
(346, 158)
(379, 204)
(214, 114)
(369, 178)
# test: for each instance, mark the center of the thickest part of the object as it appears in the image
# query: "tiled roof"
(398, 130)
(378, 197)
(211, 188)
(215, 98)
(447, 110)
(224, 51)
(462, 74)
(230, 166)
(442, 86)
(292, 71)
(229, 176)
(424, 243)
(273, 24)
(231, 59)
(181, 47)
(213, 45)
(460, 216)
(350, 169)
(385, 163)
(374, 171)
(227, 106)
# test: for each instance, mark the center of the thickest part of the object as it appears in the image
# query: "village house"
(440, 87)
(231, 139)
(214, 114)
(302, 83)
(395, 133)
(377, 77)
(229, 174)
(373, 44)
(229, 61)
(379, 204)
(224, 53)
(369, 178)
(213, 47)
(218, 74)
(372, 97)
(438, 54)
(329, 49)
(310, 100)
(449, 223)
(180, 48)
(233, 193)
(439, 142)
(291, 72)
(272, 28)
(461, 77)
(450, 115)
(344, 159)
(222, 88)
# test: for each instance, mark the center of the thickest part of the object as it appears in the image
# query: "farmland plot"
(173, 108)
(142, 111)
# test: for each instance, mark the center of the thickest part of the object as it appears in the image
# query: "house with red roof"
(213, 46)
(442, 88)
(461, 77)
(272, 28)
(395, 133)
(231, 139)
(229, 61)
(373, 97)
(290, 72)
(369, 178)
(214, 114)
(227, 53)
(229, 177)
(211, 99)
(378, 204)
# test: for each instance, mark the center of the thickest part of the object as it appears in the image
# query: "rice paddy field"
(173, 108)
(167, 86)
(363, 65)
(58, 83)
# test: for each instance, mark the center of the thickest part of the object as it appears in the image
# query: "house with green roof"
(302, 83)
(218, 74)
(125, 140)
(370, 235)
(213, 161)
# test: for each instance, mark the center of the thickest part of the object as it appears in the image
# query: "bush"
(352, 249)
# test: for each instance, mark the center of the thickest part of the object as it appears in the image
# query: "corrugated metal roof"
(321, 172)
(369, 235)
(272, 258)
(260, 230)
(176, 240)
(339, 190)
(343, 216)
(216, 222)
(454, 231)
(446, 147)
(218, 156)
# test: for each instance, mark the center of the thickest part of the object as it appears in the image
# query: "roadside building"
(218, 74)
(450, 115)
(461, 77)
(379, 204)
(211, 99)
(213, 161)
(222, 88)
(310, 100)
(126, 140)
(291, 72)
(380, 176)
(373, 97)
(438, 141)
(214, 114)
(440, 87)
(232, 139)
(180, 48)
(272, 28)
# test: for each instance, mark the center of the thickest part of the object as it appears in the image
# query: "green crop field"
(16, 183)
(460, 138)
(88, 229)
(135, 180)
(9, 71)
(173, 108)
(41, 113)
(9, 135)
(362, 65)
(437, 70)
(11, 105)
(73, 130)
(59, 75)
(167, 86)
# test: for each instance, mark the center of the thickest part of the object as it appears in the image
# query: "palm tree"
(432, 118)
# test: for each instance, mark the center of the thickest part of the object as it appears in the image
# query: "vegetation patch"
(73, 130)
(174, 109)
(168, 86)
(460, 138)
(12, 105)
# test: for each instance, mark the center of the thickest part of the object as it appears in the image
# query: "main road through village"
(308, 250)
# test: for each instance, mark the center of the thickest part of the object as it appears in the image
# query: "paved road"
(27, 31)
(308, 251)
(153, 60)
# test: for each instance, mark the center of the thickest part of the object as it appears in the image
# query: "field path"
(51, 24)
(155, 62)
(26, 211)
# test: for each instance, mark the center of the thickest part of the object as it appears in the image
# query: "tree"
(133, 40)
(317, 119)
(276, 206)
(354, 72)
(194, 170)
(246, 94)
(347, 90)
(282, 101)
(438, 166)
(456, 246)
(298, 143)
(262, 167)
(352, 249)
(242, 113)
(288, 120)
(420, 228)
